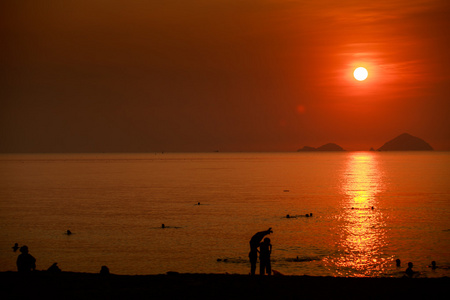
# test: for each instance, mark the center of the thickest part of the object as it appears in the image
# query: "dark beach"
(69, 285)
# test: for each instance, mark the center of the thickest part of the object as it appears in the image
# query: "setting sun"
(360, 73)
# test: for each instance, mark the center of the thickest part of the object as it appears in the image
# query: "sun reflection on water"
(361, 225)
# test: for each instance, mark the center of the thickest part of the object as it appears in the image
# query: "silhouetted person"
(265, 249)
(409, 271)
(68, 232)
(104, 270)
(288, 216)
(433, 265)
(255, 242)
(307, 215)
(15, 247)
(397, 262)
(54, 268)
(163, 226)
(310, 214)
(25, 261)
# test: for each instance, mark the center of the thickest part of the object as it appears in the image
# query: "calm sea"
(115, 205)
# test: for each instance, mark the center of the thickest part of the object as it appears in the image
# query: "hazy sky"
(228, 75)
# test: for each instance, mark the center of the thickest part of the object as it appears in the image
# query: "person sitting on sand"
(265, 249)
(409, 271)
(255, 242)
(25, 261)
(104, 270)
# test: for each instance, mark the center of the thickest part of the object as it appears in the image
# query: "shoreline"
(173, 285)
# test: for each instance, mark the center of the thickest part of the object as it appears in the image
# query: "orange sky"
(228, 75)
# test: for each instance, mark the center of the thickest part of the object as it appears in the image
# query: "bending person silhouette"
(25, 261)
(255, 242)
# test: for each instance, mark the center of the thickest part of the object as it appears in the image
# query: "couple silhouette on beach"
(265, 249)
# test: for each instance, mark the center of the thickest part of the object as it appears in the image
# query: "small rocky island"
(326, 147)
(406, 142)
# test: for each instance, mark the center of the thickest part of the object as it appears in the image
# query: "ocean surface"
(368, 209)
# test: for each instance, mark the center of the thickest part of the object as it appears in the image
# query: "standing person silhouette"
(25, 261)
(255, 242)
(265, 249)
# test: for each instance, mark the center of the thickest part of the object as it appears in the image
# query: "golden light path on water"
(362, 229)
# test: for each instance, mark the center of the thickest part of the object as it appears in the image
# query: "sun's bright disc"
(360, 73)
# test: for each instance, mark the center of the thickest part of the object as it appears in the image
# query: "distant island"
(406, 142)
(403, 142)
(326, 147)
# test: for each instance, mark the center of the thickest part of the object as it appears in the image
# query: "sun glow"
(363, 231)
(360, 73)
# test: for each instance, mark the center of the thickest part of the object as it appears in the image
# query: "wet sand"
(69, 285)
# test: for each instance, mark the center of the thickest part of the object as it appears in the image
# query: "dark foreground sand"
(68, 285)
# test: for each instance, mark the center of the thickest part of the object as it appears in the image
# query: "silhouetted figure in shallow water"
(54, 268)
(433, 265)
(255, 242)
(397, 262)
(25, 261)
(68, 232)
(15, 247)
(163, 226)
(409, 271)
(265, 249)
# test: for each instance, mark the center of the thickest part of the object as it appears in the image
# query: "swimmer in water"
(409, 271)
(433, 265)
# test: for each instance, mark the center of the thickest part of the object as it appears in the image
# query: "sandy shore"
(68, 285)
